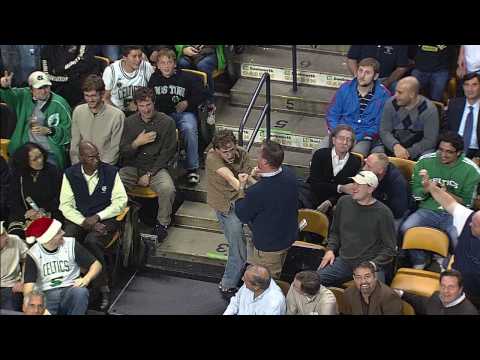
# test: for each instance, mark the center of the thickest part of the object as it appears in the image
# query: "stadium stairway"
(195, 245)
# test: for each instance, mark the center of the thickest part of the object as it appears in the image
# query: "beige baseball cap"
(37, 79)
(366, 178)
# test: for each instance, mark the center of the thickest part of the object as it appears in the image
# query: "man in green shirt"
(452, 171)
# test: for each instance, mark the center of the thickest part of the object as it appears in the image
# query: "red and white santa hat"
(42, 230)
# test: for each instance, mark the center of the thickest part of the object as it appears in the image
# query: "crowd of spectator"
(86, 132)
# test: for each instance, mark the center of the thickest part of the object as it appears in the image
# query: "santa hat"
(42, 230)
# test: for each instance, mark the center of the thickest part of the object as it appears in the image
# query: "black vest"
(101, 197)
(467, 259)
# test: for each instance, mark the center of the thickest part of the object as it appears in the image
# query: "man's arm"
(292, 308)
(419, 303)
(227, 174)
(386, 126)
(386, 232)
(395, 76)
(392, 305)
(111, 153)
(85, 260)
(67, 203)
(335, 109)
(247, 208)
(30, 275)
(118, 201)
(168, 148)
(440, 196)
(76, 138)
(127, 148)
(109, 83)
(234, 305)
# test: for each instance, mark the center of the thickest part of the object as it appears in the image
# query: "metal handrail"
(265, 79)
(294, 68)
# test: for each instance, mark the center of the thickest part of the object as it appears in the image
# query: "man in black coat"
(463, 115)
(330, 172)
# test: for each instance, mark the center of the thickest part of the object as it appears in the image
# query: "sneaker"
(193, 178)
(211, 115)
(161, 232)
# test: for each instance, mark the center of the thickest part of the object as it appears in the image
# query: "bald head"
(411, 84)
(258, 276)
(89, 157)
(407, 90)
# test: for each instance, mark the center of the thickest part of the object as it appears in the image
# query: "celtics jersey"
(461, 179)
(57, 269)
(122, 85)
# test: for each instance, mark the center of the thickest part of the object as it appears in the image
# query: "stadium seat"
(405, 166)
(317, 222)
(421, 282)
(338, 292)
(112, 250)
(285, 286)
(198, 73)
(142, 192)
(359, 156)
(4, 148)
(407, 309)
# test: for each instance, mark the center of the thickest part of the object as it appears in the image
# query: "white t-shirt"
(472, 58)
(460, 216)
(122, 85)
(10, 256)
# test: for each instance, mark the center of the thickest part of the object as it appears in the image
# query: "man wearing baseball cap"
(43, 117)
(54, 263)
(362, 230)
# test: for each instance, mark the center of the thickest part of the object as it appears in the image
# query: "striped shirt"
(365, 100)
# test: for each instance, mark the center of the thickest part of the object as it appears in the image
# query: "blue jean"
(435, 219)
(433, 82)
(67, 300)
(208, 65)
(10, 300)
(187, 125)
(111, 51)
(237, 248)
(22, 60)
(341, 271)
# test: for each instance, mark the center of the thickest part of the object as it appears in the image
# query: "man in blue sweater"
(359, 103)
(269, 207)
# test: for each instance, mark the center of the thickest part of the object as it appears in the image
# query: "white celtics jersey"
(122, 85)
(58, 269)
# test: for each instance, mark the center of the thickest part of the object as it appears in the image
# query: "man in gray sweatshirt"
(409, 125)
(362, 230)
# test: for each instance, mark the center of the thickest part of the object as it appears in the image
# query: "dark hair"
(453, 138)
(273, 153)
(453, 273)
(370, 62)
(93, 82)
(340, 128)
(169, 53)
(365, 265)
(142, 94)
(223, 137)
(470, 76)
(21, 160)
(310, 281)
(127, 48)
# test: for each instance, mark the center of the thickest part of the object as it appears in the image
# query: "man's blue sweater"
(270, 208)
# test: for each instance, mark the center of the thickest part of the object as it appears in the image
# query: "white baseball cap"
(37, 79)
(366, 178)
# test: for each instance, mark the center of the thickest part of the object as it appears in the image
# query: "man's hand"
(190, 51)
(324, 206)
(144, 180)
(40, 130)
(243, 178)
(32, 215)
(90, 222)
(6, 80)
(145, 138)
(328, 259)
(347, 189)
(100, 228)
(81, 282)
(17, 287)
(181, 106)
(255, 172)
(401, 152)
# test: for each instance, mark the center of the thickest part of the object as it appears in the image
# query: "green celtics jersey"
(461, 179)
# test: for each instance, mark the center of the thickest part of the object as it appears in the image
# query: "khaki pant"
(272, 260)
(161, 183)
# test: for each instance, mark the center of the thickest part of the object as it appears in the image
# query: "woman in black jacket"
(34, 188)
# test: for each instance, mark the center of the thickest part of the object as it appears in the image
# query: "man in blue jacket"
(269, 206)
(359, 103)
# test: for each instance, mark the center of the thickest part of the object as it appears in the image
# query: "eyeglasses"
(364, 277)
(447, 151)
(344, 138)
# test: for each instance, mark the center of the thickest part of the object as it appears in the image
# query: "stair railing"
(265, 79)
(294, 68)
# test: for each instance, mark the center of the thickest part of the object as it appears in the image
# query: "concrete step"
(325, 70)
(192, 245)
(294, 131)
(341, 50)
(197, 215)
(307, 100)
